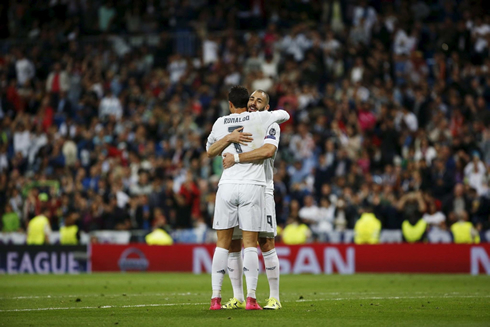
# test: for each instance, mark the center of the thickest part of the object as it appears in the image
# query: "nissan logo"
(138, 260)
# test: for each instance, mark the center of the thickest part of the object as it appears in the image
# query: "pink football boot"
(252, 304)
(215, 304)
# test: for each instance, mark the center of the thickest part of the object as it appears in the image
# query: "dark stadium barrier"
(199, 236)
(313, 258)
(44, 259)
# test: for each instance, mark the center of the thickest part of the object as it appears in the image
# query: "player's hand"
(228, 160)
(238, 137)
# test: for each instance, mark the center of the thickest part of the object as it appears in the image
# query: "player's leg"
(251, 268)
(218, 267)
(267, 245)
(272, 269)
(225, 219)
(251, 212)
(235, 272)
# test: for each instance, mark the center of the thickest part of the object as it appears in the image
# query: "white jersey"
(272, 136)
(256, 123)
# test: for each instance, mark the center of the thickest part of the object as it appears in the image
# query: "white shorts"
(239, 205)
(269, 224)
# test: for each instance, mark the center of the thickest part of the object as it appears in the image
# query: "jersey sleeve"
(272, 135)
(212, 137)
(276, 116)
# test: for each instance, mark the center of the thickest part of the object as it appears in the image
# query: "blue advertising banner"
(45, 259)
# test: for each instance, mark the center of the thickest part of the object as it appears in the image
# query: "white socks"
(251, 270)
(250, 266)
(271, 262)
(235, 271)
(218, 270)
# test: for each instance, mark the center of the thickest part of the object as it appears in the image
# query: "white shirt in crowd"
(233, 78)
(325, 219)
(309, 213)
(356, 74)
(64, 81)
(476, 176)
(36, 143)
(409, 119)
(22, 142)
(4, 163)
(480, 33)
(429, 155)
(264, 83)
(403, 43)
(177, 69)
(110, 105)
(122, 199)
(369, 15)
(332, 45)
(270, 68)
(209, 52)
(25, 70)
(302, 148)
(67, 130)
(434, 219)
(296, 45)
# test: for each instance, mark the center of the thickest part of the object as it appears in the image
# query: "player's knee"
(236, 246)
(224, 238)
(250, 239)
(266, 244)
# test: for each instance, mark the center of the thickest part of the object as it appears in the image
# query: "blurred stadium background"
(106, 106)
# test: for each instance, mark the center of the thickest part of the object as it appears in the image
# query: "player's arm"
(234, 137)
(266, 151)
(276, 116)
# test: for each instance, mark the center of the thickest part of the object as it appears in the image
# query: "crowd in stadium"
(389, 102)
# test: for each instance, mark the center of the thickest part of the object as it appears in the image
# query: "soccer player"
(258, 101)
(241, 191)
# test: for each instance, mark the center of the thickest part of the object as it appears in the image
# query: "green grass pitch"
(150, 299)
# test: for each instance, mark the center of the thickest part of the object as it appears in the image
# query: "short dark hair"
(70, 212)
(238, 96)
(266, 95)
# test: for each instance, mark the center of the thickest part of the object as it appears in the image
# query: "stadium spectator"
(107, 15)
(39, 229)
(324, 220)
(463, 230)
(367, 228)
(10, 220)
(456, 202)
(295, 232)
(433, 217)
(309, 212)
(69, 233)
(159, 235)
(475, 174)
(414, 231)
(24, 69)
(412, 206)
(110, 106)
(57, 81)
